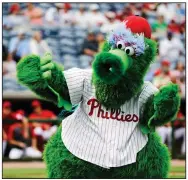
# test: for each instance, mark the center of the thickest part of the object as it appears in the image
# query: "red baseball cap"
(165, 62)
(35, 103)
(14, 7)
(20, 111)
(7, 104)
(138, 25)
(67, 6)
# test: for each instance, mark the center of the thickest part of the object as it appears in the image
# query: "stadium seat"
(80, 34)
(68, 42)
(104, 6)
(51, 41)
(79, 41)
(67, 27)
(74, 6)
(50, 32)
(85, 61)
(154, 66)
(5, 42)
(68, 50)
(66, 34)
(45, 5)
(69, 61)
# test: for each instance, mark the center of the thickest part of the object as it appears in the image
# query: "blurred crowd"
(75, 32)
(24, 138)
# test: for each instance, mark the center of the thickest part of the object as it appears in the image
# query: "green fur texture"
(106, 47)
(161, 108)
(166, 104)
(58, 82)
(103, 61)
(29, 74)
(115, 95)
(152, 162)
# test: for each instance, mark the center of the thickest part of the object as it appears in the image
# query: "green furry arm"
(161, 108)
(44, 78)
(58, 81)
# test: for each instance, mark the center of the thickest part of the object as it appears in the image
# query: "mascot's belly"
(105, 137)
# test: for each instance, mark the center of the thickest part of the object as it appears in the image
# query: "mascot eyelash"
(124, 34)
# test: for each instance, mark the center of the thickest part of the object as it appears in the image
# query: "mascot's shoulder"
(148, 84)
(147, 89)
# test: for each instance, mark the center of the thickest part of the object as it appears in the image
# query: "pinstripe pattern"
(102, 141)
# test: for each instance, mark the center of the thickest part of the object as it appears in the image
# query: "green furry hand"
(166, 105)
(45, 78)
(46, 66)
(34, 72)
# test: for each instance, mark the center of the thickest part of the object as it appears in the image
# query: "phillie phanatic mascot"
(111, 133)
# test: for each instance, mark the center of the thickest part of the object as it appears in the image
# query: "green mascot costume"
(111, 133)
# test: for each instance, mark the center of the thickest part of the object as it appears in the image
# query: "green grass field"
(176, 172)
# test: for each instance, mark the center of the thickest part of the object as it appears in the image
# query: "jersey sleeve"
(148, 90)
(75, 82)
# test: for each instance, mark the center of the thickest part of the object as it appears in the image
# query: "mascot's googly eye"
(120, 45)
(129, 50)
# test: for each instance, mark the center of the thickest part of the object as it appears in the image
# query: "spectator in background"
(19, 46)
(5, 138)
(180, 12)
(165, 132)
(9, 67)
(15, 18)
(90, 46)
(97, 19)
(180, 70)
(22, 141)
(179, 130)
(19, 120)
(43, 131)
(173, 45)
(182, 88)
(162, 75)
(112, 22)
(8, 114)
(89, 49)
(182, 32)
(34, 14)
(149, 7)
(101, 40)
(4, 53)
(180, 67)
(127, 11)
(81, 16)
(160, 26)
(38, 46)
(60, 14)
(52, 15)
(174, 27)
(66, 16)
(166, 10)
(39, 112)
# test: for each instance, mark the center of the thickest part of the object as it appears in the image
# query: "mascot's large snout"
(111, 66)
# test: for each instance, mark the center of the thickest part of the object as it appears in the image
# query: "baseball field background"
(37, 169)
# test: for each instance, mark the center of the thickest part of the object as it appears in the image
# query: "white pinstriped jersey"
(105, 137)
